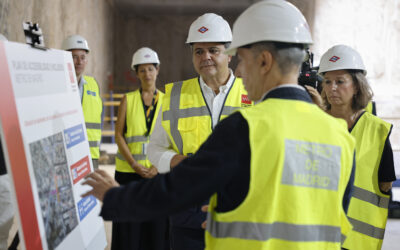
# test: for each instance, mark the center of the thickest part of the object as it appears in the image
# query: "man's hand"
(176, 159)
(385, 186)
(101, 182)
(204, 209)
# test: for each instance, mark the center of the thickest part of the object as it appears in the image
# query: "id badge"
(144, 148)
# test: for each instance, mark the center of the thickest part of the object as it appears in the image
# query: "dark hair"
(137, 66)
(363, 91)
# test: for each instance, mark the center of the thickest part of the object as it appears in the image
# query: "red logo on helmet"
(147, 56)
(202, 29)
(334, 58)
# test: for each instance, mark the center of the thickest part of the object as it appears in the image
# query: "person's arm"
(123, 147)
(176, 159)
(315, 96)
(386, 172)
(160, 150)
(194, 180)
(349, 188)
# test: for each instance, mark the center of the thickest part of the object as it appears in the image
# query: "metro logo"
(202, 29)
(334, 58)
(245, 99)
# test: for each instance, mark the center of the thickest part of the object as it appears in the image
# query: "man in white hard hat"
(89, 92)
(6, 206)
(279, 173)
(191, 109)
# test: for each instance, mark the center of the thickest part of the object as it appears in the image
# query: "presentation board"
(46, 149)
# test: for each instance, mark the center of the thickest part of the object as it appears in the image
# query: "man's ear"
(229, 59)
(265, 61)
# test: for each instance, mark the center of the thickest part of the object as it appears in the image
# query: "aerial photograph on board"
(55, 188)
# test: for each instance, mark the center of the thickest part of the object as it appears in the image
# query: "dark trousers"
(147, 235)
(187, 238)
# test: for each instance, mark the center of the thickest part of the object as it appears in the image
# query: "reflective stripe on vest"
(368, 207)
(370, 197)
(91, 125)
(94, 144)
(136, 129)
(277, 230)
(92, 108)
(367, 229)
(137, 138)
(174, 113)
(137, 157)
(296, 180)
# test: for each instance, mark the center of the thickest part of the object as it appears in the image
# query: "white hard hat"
(270, 20)
(75, 42)
(3, 38)
(209, 28)
(143, 56)
(341, 57)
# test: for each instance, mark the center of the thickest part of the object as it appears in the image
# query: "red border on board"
(17, 158)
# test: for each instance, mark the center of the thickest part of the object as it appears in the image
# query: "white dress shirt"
(160, 150)
(82, 82)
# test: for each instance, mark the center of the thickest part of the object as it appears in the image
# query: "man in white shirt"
(191, 109)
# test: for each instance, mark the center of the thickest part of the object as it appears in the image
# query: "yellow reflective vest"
(298, 176)
(186, 117)
(368, 209)
(371, 108)
(92, 107)
(136, 135)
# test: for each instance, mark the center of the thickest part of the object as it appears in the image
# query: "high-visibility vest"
(301, 162)
(92, 107)
(186, 117)
(371, 108)
(136, 135)
(368, 208)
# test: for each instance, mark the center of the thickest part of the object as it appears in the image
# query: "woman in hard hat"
(346, 94)
(137, 116)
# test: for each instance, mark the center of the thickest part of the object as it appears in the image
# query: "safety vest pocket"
(189, 130)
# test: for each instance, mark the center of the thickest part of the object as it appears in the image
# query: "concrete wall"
(166, 34)
(93, 19)
(114, 34)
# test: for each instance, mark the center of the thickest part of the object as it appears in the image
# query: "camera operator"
(310, 79)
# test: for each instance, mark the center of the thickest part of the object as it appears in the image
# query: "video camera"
(309, 74)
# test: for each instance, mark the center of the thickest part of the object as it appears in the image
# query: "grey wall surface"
(93, 19)
(165, 30)
(115, 29)
(164, 34)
